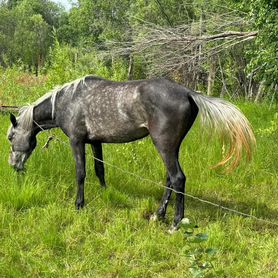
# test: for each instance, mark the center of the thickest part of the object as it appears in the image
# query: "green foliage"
(7, 27)
(200, 257)
(26, 38)
(31, 45)
(68, 63)
(263, 55)
(61, 67)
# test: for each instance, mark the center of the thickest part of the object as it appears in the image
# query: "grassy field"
(42, 235)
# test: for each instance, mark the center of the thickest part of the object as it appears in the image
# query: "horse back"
(116, 112)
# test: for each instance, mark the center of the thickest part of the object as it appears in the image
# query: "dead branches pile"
(170, 49)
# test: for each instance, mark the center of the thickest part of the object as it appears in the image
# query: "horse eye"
(10, 137)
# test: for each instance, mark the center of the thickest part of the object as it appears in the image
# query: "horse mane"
(26, 113)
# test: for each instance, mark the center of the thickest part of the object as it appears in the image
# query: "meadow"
(43, 235)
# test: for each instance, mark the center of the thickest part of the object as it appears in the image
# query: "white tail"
(230, 124)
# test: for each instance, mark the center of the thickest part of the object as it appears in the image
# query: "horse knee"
(80, 176)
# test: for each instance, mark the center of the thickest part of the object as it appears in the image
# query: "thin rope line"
(172, 189)
(188, 195)
(179, 192)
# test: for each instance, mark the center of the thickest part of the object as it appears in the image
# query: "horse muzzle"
(17, 160)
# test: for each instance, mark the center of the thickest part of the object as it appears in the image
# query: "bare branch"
(168, 49)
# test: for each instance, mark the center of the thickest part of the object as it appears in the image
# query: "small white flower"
(185, 221)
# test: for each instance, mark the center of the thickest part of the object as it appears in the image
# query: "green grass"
(42, 235)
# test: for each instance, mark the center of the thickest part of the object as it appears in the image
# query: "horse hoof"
(172, 230)
(103, 186)
(153, 217)
(79, 205)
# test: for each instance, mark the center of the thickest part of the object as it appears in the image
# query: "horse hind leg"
(168, 145)
(167, 136)
(176, 180)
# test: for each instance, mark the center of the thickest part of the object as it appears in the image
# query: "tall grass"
(42, 235)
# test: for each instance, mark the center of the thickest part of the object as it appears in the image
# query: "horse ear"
(13, 120)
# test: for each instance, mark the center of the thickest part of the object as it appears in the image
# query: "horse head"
(22, 141)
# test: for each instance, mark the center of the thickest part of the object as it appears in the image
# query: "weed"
(201, 257)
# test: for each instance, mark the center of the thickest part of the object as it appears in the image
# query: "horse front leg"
(78, 149)
(99, 167)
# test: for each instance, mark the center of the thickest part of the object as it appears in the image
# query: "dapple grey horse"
(92, 110)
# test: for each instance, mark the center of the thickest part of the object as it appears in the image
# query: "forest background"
(145, 38)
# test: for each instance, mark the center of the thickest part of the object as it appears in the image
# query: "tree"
(262, 57)
(7, 28)
(25, 31)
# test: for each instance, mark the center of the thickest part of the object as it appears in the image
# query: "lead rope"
(52, 137)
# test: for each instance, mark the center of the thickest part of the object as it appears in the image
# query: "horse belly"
(116, 131)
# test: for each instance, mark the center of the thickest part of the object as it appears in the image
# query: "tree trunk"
(130, 68)
(250, 87)
(260, 91)
(211, 75)
(199, 50)
(224, 87)
(274, 95)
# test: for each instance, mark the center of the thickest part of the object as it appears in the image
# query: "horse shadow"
(208, 211)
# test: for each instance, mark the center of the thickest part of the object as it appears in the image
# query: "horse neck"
(42, 116)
